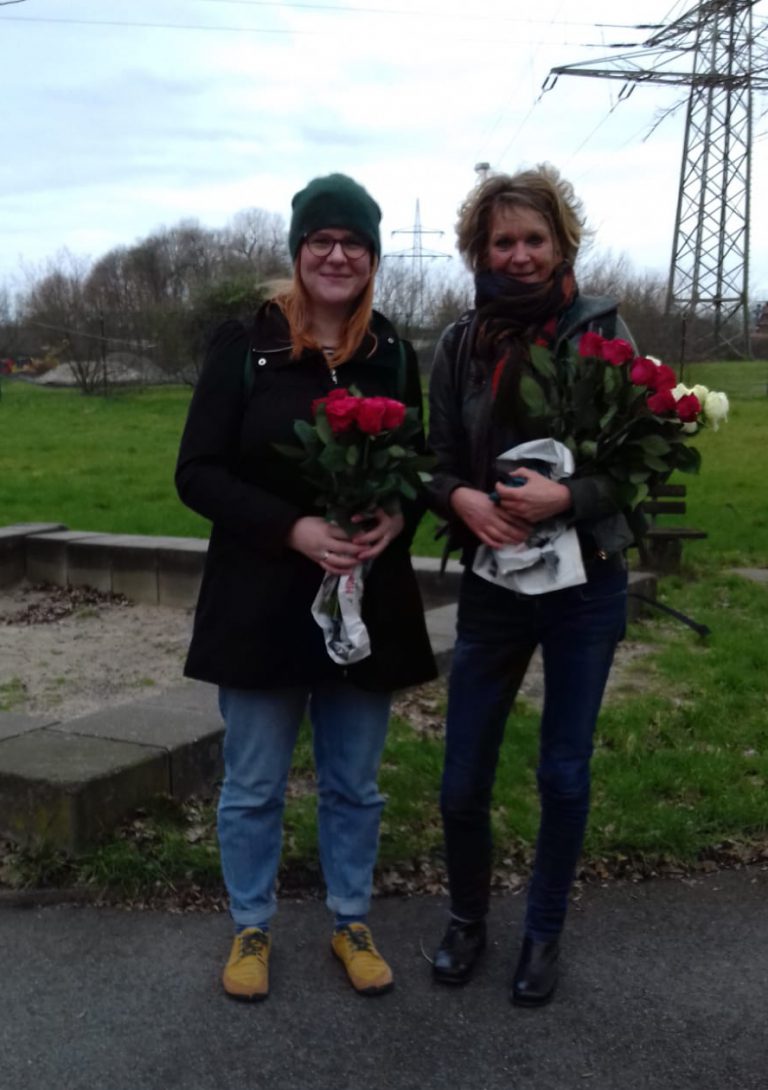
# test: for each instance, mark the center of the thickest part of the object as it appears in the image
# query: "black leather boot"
(458, 951)
(535, 978)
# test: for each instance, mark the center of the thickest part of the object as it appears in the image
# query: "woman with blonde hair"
(519, 235)
(254, 634)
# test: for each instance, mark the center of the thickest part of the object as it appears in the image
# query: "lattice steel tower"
(709, 270)
(418, 254)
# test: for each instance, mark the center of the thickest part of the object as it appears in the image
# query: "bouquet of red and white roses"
(618, 413)
(359, 454)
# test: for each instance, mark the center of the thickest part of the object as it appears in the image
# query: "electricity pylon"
(709, 270)
(418, 254)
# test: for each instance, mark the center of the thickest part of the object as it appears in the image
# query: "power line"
(286, 32)
(82, 333)
(512, 94)
(410, 12)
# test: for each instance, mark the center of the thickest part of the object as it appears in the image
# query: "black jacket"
(253, 627)
(460, 407)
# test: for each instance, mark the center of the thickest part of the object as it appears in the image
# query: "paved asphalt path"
(665, 985)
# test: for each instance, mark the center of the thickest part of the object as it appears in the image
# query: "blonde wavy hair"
(542, 189)
(295, 304)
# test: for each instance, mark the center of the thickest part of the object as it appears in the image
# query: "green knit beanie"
(334, 201)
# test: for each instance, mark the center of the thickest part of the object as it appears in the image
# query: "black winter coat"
(253, 626)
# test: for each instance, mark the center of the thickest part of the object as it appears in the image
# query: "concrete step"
(69, 783)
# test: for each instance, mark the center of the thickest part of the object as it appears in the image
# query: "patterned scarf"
(512, 316)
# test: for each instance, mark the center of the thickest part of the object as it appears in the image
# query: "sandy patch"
(83, 651)
(70, 651)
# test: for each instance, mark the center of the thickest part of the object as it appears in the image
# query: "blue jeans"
(349, 729)
(498, 630)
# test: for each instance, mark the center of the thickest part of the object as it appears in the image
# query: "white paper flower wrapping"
(551, 558)
(337, 608)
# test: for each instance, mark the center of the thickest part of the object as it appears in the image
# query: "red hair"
(296, 305)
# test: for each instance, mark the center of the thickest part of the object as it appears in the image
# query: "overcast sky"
(119, 116)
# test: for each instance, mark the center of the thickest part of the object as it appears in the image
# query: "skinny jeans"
(498, 630)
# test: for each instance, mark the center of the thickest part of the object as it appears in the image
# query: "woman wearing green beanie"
(254, 634)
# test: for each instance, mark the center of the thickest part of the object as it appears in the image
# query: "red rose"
(616, 351)
(664, 378)
(591, 344)
(335, 395)
(643, 372)
(341, 413)
(688, 408)
(370, 415)
(663, 401)
(394, 413)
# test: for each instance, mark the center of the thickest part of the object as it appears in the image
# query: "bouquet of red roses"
(359, 454)
(618, 413)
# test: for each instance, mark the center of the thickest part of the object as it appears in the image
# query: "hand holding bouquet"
(360, 455)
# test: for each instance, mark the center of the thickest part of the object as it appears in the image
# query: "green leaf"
(334, 458)
(611, 379)
(533, 396)
(641, 493)
(587, 448)
(687, 459)
(323, 427)
(657, 464)
(289, 452)
(542, 362)
(654, 444)
(353, 455)
(305, 432)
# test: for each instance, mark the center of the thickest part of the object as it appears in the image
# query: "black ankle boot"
(535, 977)
(458, 951)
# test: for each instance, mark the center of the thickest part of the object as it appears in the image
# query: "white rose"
(715, 408)
(690, 429)
(700, 392)
(680, 391)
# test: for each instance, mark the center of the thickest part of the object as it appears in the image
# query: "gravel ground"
(72, 651)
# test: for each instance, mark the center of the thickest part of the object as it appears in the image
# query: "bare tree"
(641, 298)
(57, 311)
(9, 327)
(258, 240)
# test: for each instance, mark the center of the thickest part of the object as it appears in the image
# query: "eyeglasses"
(321, 245)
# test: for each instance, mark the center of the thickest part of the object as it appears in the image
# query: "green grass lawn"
(681, 761)
(94, 463)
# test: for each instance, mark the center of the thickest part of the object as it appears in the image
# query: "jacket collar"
(269, 333)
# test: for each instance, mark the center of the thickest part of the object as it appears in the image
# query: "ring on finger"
(324, 555)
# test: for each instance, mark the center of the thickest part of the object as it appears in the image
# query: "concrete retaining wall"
(162, 571)
(153, 570)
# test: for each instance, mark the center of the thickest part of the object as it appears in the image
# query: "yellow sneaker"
(246, 974)
(367, 970)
